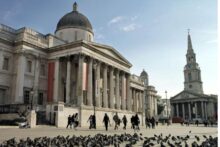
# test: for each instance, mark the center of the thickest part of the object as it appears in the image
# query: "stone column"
(56, 80)
(128, 93)
(206, 115)
(196, 110)
(105, 80)
(111, 88)
(123, 90)
(98, 84)
(135, 101)
(68, 70)
(36, 81)
(202, 107)
(80, 80)
(140, 101)
(19, 89)
(133, 97)
(177, 110)
(189, 107)
(90, 94)
(117, 90)
(183, 110)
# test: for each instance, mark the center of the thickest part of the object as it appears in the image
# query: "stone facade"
(191, 103)
(60, 75)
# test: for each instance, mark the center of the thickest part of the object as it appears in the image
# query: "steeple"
(190, 48)
(192, 73)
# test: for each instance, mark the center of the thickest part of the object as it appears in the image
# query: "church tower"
(192, 73)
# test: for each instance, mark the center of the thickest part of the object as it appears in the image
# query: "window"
(29, 66)
(89, 37)
(5, 63)
(75, 35)
(40, 98)
(190, 86)
(189, 76)
(2, 95)
(42, 70)
(26, 97)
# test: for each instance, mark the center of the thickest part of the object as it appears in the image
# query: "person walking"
(90, 121)
(94, 121)
(76, 120)
(73, 120)
(124, 119)
(69, 122)
(132, 122)
(106, 121)
(136, 122)
(116, 120)
(153, 122)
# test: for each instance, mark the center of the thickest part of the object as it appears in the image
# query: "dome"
(74, 19)
(144, 74)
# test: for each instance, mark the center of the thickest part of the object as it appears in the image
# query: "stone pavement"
(39, 131)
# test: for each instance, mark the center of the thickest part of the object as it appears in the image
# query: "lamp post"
(32, 96)
(167, 104)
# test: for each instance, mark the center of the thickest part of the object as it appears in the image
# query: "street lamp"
(32, 96)
(167, 103)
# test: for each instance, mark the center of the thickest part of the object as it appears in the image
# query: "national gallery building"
(57, 75)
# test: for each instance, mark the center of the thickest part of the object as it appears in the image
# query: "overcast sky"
(151, 34)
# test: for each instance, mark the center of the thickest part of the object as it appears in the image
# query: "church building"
(65, 73)
(191, 103)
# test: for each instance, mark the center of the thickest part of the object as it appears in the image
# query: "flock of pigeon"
(123, 140)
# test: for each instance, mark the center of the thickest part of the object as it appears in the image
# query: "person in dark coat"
(136, 122)
(69, 123)
(76, 120)
(73, 120)
(124, 119)
(90, 121)
(116, 120)
(132, 122)
(106, 121)
(153, 122)
(94, 121)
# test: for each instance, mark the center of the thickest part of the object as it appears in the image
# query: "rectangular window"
(29, 66)
(26, 97)
(5, 63)
(42, 70)
(2, 95)
(40, 98)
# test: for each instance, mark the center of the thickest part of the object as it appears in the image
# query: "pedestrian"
(69, 122)
(90, 121)
(73, 121)
(136, 122)
(124, 119)
(153, 122)
(116, 120)
(132, 122)
(106, 121)
(197, 123)
(94, 121)
(76, 120)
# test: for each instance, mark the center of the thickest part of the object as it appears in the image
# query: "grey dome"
(74, 19)
(144, 74)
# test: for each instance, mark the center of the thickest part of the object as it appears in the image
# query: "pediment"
(109, 51)
(185, 95)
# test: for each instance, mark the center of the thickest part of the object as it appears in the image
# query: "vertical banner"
(85, 76)
(50, 82)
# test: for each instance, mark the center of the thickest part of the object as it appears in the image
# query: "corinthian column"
(80, 80)
(111, 88)
(123, 90)
(105, 96)
(89, 96)
(97, 84)
(117, 90)
(56, 81)
(36, 80)
(128, 93)
(68, 80)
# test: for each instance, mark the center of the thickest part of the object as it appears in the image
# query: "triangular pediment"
(185, 95)
(109, 51)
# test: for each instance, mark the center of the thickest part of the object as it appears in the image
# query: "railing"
(12, 108)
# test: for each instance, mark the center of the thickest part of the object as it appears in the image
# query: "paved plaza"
(40, 131)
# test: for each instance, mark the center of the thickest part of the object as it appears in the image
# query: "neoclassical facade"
(65, 73)
(192, 103)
